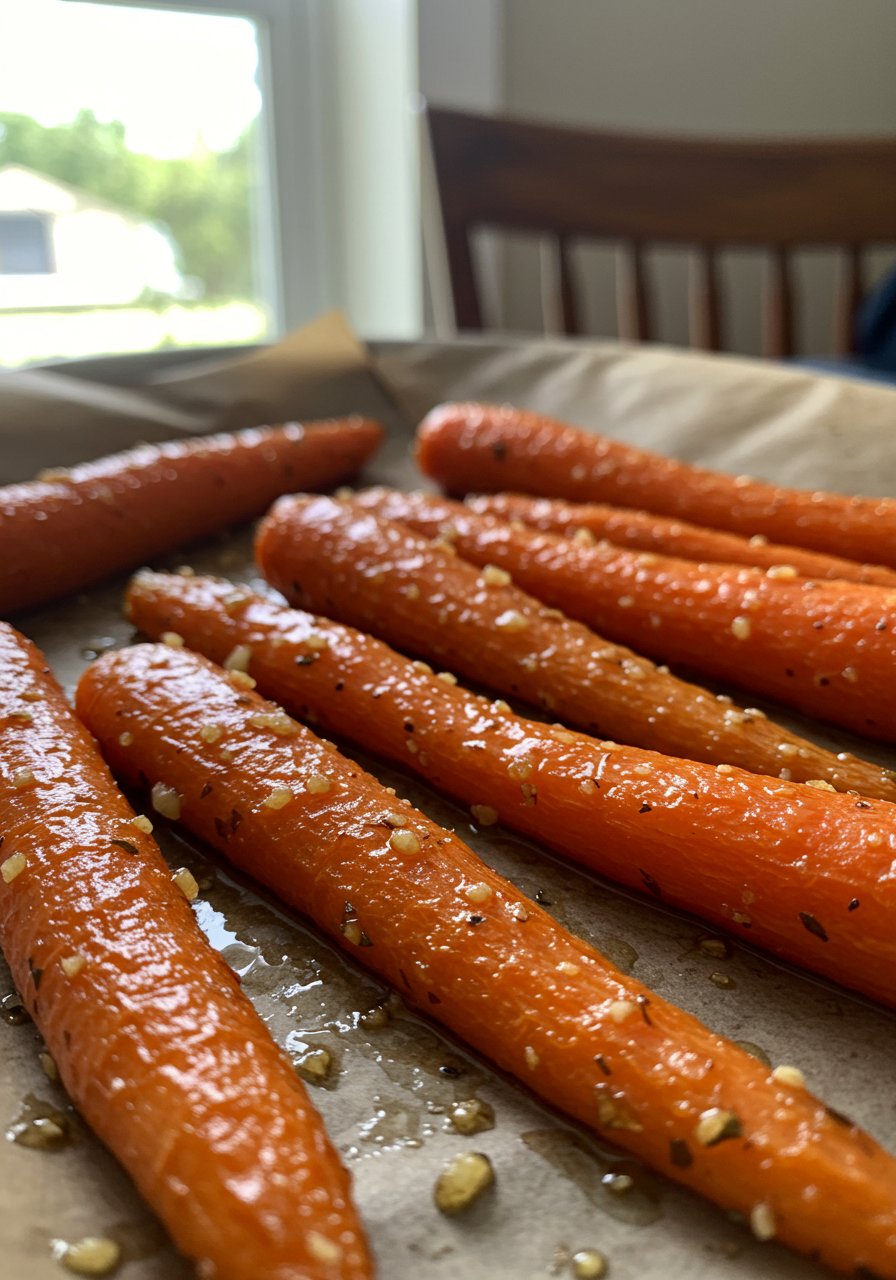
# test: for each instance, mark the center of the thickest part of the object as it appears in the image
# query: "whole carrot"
(348, 563)
(645, 532)
(796, 869)
(414, 904)
(153, 1039)
(68, 529)
(825, 648)
(488, 448)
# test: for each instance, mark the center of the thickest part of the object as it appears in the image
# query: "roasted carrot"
(152, 1037)
(487, 449)
(382, 577)
(414, 904)
(825, 648)
(68, 529)
(645, 532)
(796, 869)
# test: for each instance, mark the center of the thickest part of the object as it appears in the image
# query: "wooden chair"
(572, 185)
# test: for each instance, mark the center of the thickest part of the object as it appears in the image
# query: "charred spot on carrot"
(650, 883)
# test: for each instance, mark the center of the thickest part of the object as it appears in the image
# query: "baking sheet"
(385, 1106)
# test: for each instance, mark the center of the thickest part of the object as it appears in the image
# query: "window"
(135, 205)
(25, 247)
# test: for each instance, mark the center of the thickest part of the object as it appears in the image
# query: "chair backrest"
(636, 190)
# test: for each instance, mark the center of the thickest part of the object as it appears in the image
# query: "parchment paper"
(396, 1075)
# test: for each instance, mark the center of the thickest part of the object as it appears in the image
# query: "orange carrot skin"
(641, 531)
(763, 857)
(342, 561)
(488, 449)
(154, 1041)
(73, 528)
(540, 1002)
(825, 648)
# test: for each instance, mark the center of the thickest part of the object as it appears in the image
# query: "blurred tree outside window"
(132, 190)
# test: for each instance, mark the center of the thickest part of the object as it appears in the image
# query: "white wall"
(727, 67)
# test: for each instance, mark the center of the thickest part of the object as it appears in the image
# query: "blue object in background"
(875, 338)
(876, 328)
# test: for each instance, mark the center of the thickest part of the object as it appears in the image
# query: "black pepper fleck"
(475, 919)
(599, 1059)
(645, 808)
(813, 926)
(680, 1153)
(854, 902)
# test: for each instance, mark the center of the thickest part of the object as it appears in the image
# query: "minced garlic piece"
(790, 1076)
(317, 784)
(239, 658)
(567, 967)
(317, 641)
(23, 778)
(142, 824)
(520, 769)
(531, 1056)
(126, 739)
(762, 1222)
(276, 721)
(13, 866)
(72, 965)
(173, 639)
(278, 798)
(472, 1116)
(741, 627)
(395, 819)
(512, 620)
(584, 537)
(186, 882)
(447, 677)
(210, 732)
(166, 801)
(322, 1248)
(619, 1010)
(314, 1065)
(234, 603)
(48, 1065)
(242, 680)
(404, 842)
(588, 1264)
(819, 784)
(463, 1181)
(91, 1256)
(716, 1124)
(493, 576)
(478, 893)
(784, 571)
(484, 814)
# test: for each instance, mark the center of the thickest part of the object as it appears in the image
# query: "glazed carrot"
(488, 448)
(382, 577)
(645, 532)
(68, 529)
(825, 648)
(411, 902)
(153, 1039)
(798, 870)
